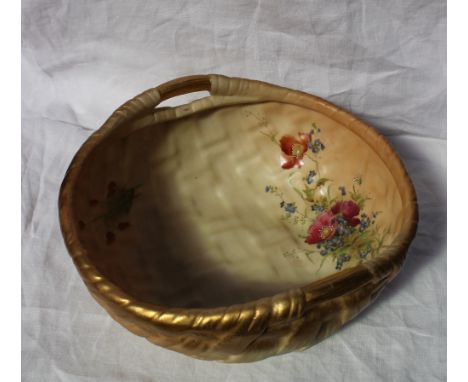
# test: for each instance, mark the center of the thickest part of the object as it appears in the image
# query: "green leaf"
(321, 263)
(291, 174)
(119, 204)
(321, 182)
(309, 194)
(308, 255)
(298, 192)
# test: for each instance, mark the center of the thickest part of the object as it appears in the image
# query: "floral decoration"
(323, 228)
(336, 224)
(293, 150)
(113, 210)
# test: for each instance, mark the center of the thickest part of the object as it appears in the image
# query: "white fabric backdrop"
(385, 61)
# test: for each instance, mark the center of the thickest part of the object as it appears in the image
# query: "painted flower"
(310, 177)
(357, 180)
(317, 207)
(316, 146)
(349, 210)
(116, 206)
(364, 222)
(293, 150)
(341, 260)
(290, 207)
(322, 229)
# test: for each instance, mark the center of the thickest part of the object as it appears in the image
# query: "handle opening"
(184, 98)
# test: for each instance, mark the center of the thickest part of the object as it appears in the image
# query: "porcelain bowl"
(245, 224)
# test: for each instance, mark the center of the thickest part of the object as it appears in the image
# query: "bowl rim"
(287, 305)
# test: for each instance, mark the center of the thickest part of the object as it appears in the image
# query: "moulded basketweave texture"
(248, 223)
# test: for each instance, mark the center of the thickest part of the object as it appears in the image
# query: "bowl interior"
(233, 204)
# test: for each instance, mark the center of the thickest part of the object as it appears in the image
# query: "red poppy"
(293, 150)
(323, 228)
(349, 210)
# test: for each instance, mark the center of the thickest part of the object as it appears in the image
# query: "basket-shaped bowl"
(249, 223)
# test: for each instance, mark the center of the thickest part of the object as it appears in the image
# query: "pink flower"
(323, 228)
(293, 150)
(349, 210)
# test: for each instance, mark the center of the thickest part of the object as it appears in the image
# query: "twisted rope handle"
(215, 84)
(147, 101)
